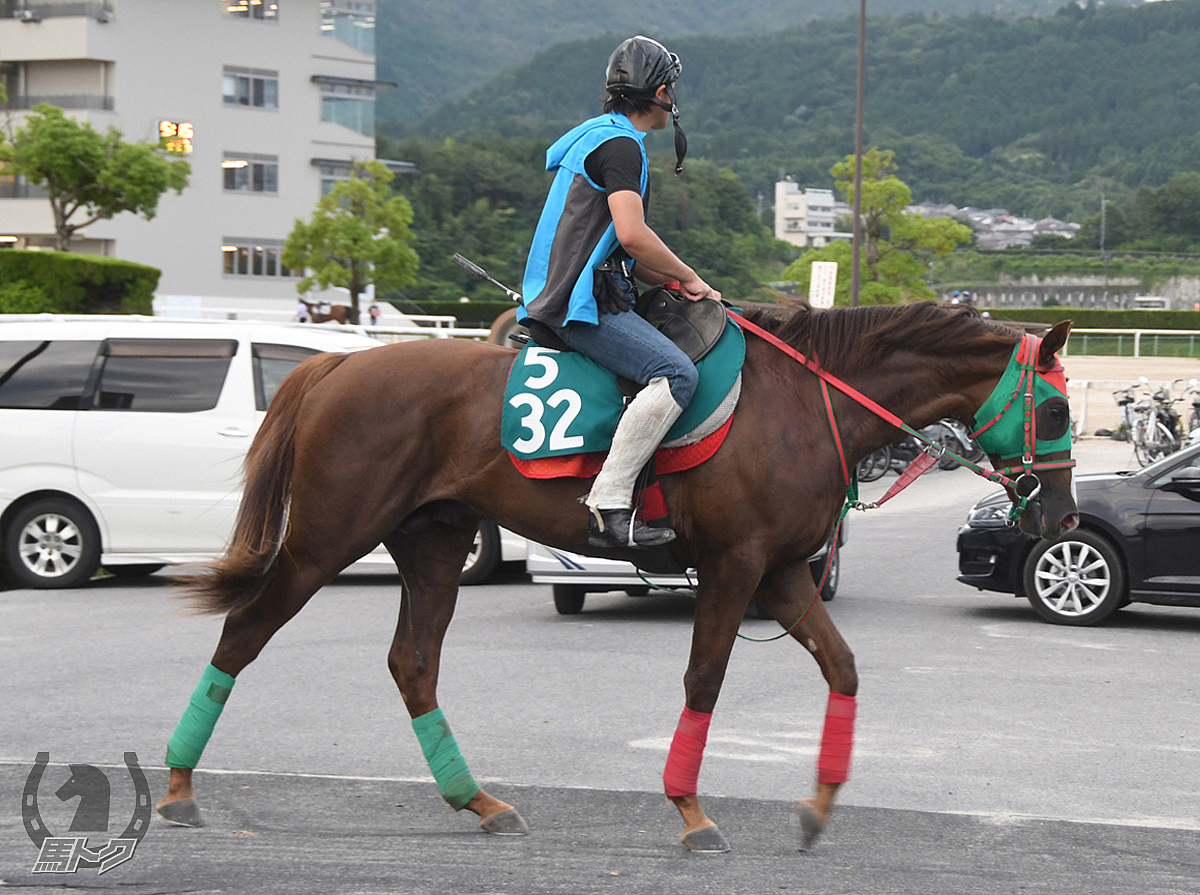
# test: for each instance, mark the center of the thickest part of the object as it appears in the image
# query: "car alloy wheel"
(53, 543)
(1075, 580)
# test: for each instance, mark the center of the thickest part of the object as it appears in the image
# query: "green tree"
(358, 235)
(898, 246)
(480, 198)
(1174, 208)
(706, 217)
(90, 176)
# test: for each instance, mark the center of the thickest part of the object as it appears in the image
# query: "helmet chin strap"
(680, 137)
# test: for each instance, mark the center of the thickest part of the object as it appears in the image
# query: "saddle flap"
(695, 326)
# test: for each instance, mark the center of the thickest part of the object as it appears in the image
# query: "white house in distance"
(272, 101)
(807, 217)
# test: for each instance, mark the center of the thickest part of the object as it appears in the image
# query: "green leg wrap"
(450, 770)
(196, 726)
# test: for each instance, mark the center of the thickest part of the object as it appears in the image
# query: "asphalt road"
(994, 753)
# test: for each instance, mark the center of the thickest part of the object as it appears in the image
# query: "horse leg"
(723, 595)
(245, 633)
(788, 595)
(430, 562)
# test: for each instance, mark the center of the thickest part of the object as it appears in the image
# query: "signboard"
(178, 135)
(823, 285)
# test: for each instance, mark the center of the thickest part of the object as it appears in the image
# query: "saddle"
(695, 326)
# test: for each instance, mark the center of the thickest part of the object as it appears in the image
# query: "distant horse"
(337, 313)
(401, 445)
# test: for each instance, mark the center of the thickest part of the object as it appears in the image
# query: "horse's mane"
(849, 340)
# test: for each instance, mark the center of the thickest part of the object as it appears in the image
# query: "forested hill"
(438, 51)
(1031, 113)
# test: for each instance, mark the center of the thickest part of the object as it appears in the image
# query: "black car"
(1138, 540)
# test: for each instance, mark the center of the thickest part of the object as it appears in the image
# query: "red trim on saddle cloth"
(651, 503)
(682, 772)
(584, 466)
(837, 741)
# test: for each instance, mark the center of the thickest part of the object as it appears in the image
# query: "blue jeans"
(629, 346)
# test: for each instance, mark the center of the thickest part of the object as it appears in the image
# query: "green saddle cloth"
(559, 403)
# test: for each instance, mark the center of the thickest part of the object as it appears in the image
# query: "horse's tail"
(247, 568)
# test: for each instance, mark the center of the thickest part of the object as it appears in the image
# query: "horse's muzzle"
(1035, 523)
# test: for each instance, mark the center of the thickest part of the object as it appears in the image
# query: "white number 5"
(541, 357)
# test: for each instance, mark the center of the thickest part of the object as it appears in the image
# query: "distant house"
(807, 217)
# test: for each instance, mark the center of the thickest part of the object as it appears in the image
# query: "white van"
(122, 439)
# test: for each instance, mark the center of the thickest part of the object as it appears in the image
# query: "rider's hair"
(627, 105)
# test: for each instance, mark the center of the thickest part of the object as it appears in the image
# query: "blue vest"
(575, 233)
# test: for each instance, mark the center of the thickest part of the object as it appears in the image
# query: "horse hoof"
(182, 813)
(505, 823)
(706, 839)
(810, 824)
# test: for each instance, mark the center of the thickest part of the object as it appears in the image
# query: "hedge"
(83, 284)
(1088, 318)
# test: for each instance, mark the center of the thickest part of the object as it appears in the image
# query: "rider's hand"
(696, 289)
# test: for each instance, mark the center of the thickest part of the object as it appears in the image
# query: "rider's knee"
(683, 379)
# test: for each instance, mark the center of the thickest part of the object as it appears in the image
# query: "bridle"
(1026, 486)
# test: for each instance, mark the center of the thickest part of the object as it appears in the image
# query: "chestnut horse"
(401, 445)
(337, 313)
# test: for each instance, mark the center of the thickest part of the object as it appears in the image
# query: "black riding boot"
(621, 528)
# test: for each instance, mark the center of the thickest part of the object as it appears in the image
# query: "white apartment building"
(807, 217)
(273, 100)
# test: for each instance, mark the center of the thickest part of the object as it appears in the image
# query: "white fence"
(410, 326)
(1135, 339)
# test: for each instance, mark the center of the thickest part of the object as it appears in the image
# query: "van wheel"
(137, 570)
(53, 543)
(484, 558)
(568, 598)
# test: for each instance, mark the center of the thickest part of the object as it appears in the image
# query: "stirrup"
(621, 528)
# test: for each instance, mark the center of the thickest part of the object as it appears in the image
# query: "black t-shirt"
(616, 165)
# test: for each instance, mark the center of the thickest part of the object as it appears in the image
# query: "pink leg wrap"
(687, 749)
(833, 764)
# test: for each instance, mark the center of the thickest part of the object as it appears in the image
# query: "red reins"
(918, 465)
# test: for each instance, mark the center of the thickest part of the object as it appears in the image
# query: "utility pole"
(855, 277)
(1103, 254)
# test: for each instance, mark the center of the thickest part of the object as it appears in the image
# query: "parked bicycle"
(1193, 427)
(1125, 399)
(1156, 428)
(950, 434)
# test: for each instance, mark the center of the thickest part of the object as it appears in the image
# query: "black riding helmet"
(636, 69)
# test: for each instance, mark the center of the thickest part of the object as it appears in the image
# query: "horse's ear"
(1053, 343)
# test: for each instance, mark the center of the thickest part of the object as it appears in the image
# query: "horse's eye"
(1054, 416)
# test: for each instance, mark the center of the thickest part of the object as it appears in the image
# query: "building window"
(251, 87)
(246, 172)
(331, 177)
(349, 105)
(254, 258)
(263, 10)
(351, 22)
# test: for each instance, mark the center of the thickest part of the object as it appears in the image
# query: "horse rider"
(578, 293)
